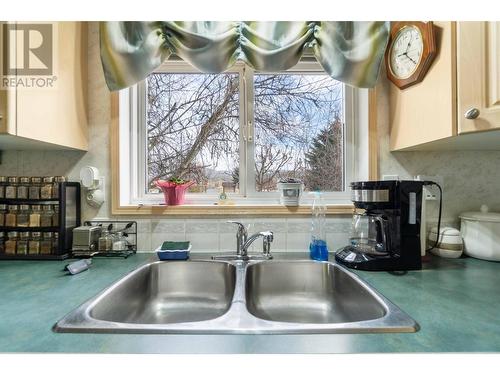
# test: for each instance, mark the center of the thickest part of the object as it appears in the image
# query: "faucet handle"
(241, 236)
(241, 227)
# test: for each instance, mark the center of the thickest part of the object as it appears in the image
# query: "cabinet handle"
(472, 114)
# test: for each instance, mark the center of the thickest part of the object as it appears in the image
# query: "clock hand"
(413, 61)
(409, 43)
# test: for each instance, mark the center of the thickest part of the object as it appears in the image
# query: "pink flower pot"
(174, 193)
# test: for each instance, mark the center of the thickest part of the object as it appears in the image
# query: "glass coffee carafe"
(369, 234)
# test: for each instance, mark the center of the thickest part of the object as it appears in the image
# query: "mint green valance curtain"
(350, 52)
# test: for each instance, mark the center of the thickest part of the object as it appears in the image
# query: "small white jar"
(450, 242)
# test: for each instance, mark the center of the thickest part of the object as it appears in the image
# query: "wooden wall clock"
(411, 50)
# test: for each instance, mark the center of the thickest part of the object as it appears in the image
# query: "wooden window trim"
(229, 210)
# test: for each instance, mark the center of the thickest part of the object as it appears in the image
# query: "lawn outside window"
(241, 131)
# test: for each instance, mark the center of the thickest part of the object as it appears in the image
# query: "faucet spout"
(243, 242)
(266, 235)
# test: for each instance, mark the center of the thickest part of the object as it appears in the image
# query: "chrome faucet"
(243, 242)
(267, 238)
(241, 238)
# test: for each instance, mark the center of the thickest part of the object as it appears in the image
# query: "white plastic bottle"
(318, 248)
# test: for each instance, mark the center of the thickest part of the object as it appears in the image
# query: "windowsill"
(224, 210)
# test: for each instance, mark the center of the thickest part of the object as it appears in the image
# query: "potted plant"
(174, 190)
(290, 191)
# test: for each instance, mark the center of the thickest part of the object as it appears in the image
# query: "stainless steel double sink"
(267, 297)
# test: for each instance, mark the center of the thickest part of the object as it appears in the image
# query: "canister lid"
(483, 215)
(446, 231)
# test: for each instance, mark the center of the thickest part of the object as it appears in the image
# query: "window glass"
(299, 131)
(193, 129)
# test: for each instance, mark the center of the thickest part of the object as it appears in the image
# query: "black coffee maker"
(386, 236)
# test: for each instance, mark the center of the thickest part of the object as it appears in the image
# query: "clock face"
(406, 52)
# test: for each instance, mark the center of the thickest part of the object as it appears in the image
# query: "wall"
(470, 179)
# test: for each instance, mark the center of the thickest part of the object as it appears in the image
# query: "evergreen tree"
(325, 160)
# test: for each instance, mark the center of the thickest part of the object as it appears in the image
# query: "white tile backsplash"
(197, 226)
(336, 240)
(216, 235)
(167, 227)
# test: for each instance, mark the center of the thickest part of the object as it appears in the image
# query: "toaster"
(85, 239)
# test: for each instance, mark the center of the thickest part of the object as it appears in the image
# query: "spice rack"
(68, 217)
(120, 225)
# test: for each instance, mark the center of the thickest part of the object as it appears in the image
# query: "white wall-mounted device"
(94, 185)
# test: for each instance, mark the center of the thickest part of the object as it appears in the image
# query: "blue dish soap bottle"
(318, 248)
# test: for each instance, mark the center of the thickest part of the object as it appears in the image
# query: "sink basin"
(308, 292)
(272, 297)
(172, 292)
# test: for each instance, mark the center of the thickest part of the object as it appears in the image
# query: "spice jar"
(3, 212)
(55, 217)
(11, 243)
(2, 243)
(55, 188)
(11, 216)
(55, 243)
(23, 216)
(23, 188)
(47, 187)
(35, 215)
(34, 190)
(46, 244)
(11, 188)
(3, 183)
(105, 242)
(46, 216)
(34, 243)
(22, 243)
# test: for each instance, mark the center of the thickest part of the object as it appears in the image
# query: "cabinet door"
(58, 115)
(478, 76)
(426, 112)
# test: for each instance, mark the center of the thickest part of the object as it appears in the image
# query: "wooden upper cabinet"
(463, 81)
(426, 111)
(49, 117)
(478, 77)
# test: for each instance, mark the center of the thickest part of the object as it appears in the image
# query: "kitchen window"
(241, 132)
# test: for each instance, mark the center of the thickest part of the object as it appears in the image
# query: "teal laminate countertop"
(455, 301)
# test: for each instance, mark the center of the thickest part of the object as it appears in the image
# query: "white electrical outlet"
(431, 193)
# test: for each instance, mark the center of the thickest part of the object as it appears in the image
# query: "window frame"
(130, 109)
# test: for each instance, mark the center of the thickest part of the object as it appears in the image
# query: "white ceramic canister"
(450, 242)
(481, 234)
